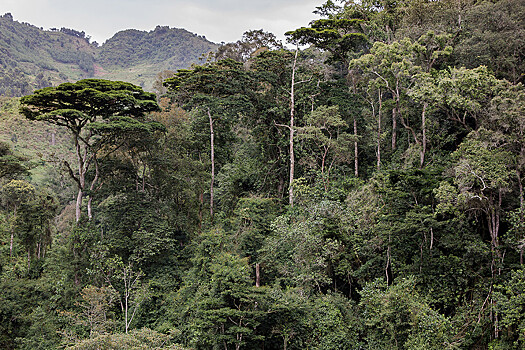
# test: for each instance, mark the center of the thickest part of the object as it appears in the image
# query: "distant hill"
(32, 58)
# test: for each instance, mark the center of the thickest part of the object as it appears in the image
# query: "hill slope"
(31, 57)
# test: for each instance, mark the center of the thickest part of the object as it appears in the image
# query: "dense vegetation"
(33, 58)
(365, 192)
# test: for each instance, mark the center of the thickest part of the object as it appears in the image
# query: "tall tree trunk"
(212, 157)
(81, 180)
(257, 275)
(12, 232)
(394, 128)
(292, 131)
(78, 205)
(522, 219)
(378, 141)
(424, 136)
(356, 151)
(92, 189)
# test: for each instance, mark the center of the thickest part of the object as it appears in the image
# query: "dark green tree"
(91, 109)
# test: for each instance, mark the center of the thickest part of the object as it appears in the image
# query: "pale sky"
(219, 20)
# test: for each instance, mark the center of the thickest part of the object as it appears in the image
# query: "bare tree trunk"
(292, 131)
(394, 128)
(387, 266)
(356, 151)
(323, 160)
(379, 130)
(81, 179)
(78, 204)
(12, 233)
(91, 189)
(11, 244)
(257, 275)
(520, 185)
(212, 156)
(424, 136)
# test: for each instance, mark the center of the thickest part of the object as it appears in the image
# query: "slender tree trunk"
(212, 157)
(356, 151)
(522, 219)
(394, 128)
(387, 266)
(323, 161)
(92, 189)
(257, 275)
(78, 205)
(424, 136)
(81, 180)
(12, 233)
(126, 314)
(292, 131)
(380, 97)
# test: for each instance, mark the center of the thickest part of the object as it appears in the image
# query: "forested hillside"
(362, 192)
(33, 58)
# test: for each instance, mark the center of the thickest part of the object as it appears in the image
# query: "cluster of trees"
(364, 192)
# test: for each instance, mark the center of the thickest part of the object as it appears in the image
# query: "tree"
(125, 280)
(324, 127)
(14, 194)
(91, 109)
(400, 68)
(216, 93)
(339, 36)
(397, 317)
(252, 43)
(483, 176)
(34, 223)
(11, 164)
(94, 313)
(135, 340)
(220, 305)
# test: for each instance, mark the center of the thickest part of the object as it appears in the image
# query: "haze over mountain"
(32, 58)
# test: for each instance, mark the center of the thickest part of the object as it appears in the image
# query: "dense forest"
(358, 187)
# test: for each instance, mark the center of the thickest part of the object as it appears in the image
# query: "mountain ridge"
(32, 58)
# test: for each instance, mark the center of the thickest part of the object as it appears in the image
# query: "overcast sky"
(218, 20)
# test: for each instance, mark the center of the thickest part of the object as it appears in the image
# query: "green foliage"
(135, 340)
(407, 229)
(396, 317)
(510, 301)
(338, 36)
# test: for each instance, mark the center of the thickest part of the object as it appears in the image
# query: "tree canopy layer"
(363, 190)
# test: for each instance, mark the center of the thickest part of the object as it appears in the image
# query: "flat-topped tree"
(98, 113)
(339, 36)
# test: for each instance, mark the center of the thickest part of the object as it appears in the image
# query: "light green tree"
(14, 194)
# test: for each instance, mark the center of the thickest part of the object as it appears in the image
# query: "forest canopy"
(357, 187)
